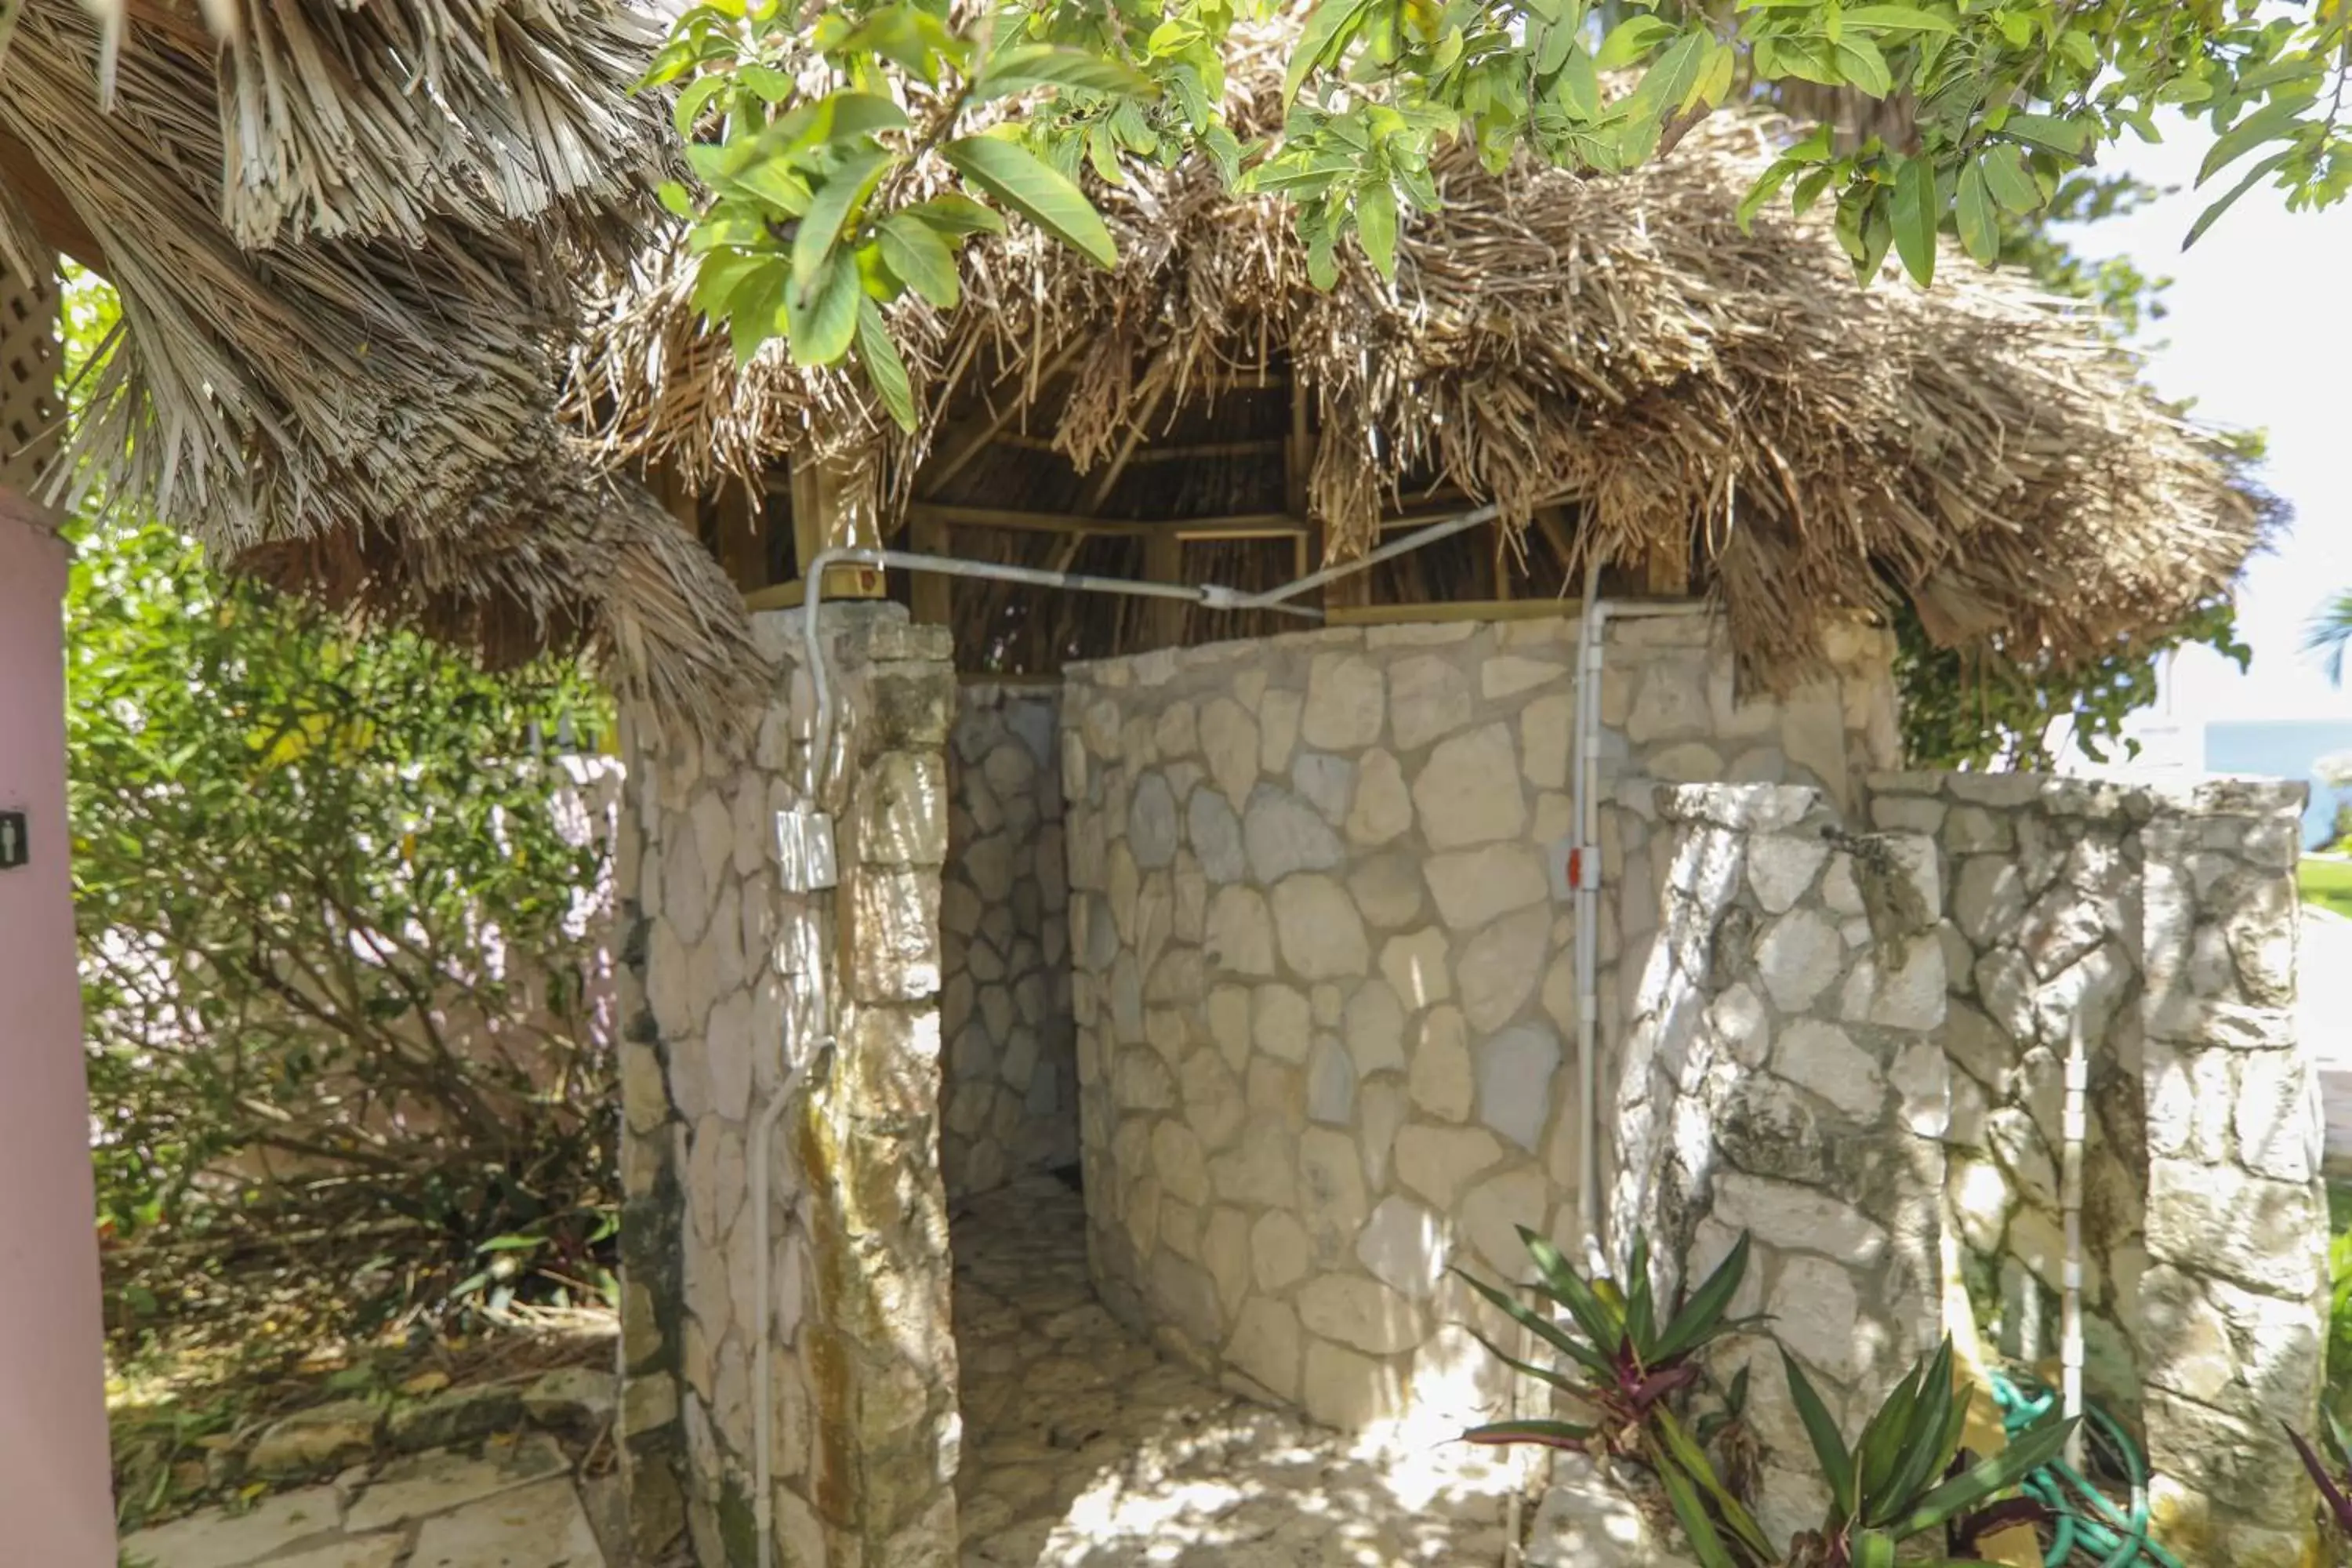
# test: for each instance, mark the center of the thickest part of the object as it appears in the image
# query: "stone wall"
(2042, 940)
(2155, 924)
(1010, 1099)
(717, 996)
(1325, 1007)
(1780, 1079)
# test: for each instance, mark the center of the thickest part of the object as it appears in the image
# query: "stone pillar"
(718, 995)
(2235, 1296)
(1780, 1078)
(2157, 926)
(2043, 940)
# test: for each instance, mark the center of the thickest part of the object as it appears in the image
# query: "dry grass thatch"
(1618, 344)
(342, 240)
(345, 241)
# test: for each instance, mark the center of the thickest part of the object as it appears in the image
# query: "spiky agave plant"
(2331, 1471)
(1626, 1368)
(1905, 1478)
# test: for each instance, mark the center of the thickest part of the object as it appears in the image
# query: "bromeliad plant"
(1907, 1475)
(1628, 1371)
(2331, 1470)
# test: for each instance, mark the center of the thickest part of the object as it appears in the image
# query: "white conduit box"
(805, 858)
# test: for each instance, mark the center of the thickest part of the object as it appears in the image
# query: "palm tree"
(2329, 634)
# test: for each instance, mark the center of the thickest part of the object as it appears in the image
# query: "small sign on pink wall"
(15, 840)
(57, 1504)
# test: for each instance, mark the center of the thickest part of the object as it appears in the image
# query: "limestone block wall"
(717, 997)
(2235, 1296)
(1780, 1078)
(2042, 940)
(1325, 1005)
(1010, 1098)
(2158, 924)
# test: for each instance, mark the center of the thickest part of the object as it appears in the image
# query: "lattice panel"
(29, 360)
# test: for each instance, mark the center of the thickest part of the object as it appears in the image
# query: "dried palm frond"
(343, 238)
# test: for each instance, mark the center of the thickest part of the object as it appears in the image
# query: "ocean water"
(2284, 749)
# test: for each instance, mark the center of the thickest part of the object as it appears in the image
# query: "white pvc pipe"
(2074, 1129)
(1584, 864)
(1273, 597)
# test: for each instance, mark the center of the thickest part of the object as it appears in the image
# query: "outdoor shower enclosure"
(1278, 938)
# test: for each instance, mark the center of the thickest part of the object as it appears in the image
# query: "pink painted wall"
(56, 1505)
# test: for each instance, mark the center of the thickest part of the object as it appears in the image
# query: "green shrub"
(338, 962)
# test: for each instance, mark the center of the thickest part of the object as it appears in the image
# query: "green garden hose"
(2089, 1526)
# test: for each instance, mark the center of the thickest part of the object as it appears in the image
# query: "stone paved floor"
(515, 1507)
(1082, 1449)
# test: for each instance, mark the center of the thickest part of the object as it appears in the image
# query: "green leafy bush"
(339, 958)
(2339, 1294)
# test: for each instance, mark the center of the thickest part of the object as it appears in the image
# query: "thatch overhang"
(347, 242)
(343, 237)
(1615, 361)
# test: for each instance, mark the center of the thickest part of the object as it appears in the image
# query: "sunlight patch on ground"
(1083, 1448)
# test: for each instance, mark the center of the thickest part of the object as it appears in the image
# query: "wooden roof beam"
(1242, 525)
(54, 218)
(970, 437)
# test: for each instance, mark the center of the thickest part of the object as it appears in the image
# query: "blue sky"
(2260, 332)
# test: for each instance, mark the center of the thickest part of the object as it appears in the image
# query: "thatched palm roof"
(342, 240)
(346, 243)
(1620, 346)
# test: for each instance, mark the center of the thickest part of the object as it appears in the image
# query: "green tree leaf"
(822, 319)
(885, 372)
(1012, 175)
(1053, 65)
(692, 101)
(2067, 136)
(1859, 62)
(1897, 19)
(1577, 89)
(2253, 177)
(955, 215)
(1631, 39)
(1328, 27)
(1980, 214)
(2272, 123)
(915, 251)
(830, 207)
(1768, 185)
(1376, 226)
(1919, 211)
(2011, 184)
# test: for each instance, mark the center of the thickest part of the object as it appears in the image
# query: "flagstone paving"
(514, 1506)
(1084, 1449)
